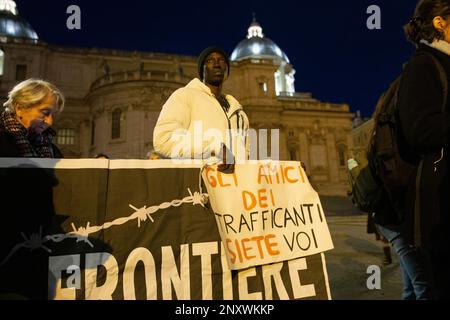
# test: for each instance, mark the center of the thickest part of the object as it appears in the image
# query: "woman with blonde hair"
(25, 124)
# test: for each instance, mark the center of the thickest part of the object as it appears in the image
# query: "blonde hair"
(28, 93)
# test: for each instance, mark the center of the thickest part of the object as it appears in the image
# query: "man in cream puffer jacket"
(200, 122)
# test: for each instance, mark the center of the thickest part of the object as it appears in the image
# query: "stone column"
(284, 152)
(332, 156)
(304, 149)
(350, 144)
(85, 138)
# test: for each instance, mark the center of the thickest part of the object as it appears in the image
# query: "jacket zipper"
(229, 124)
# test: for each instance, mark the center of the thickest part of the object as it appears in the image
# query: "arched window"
(117, 124)
(21, 72)
(293, 155)
(263, 87)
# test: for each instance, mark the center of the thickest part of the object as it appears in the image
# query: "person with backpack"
(383, 205)
(405, 180)
(424, 129)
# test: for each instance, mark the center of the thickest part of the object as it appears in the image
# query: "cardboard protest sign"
(267, 212)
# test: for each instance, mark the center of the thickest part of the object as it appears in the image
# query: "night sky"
(336, 56)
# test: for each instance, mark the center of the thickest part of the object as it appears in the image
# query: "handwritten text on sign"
(266, 213)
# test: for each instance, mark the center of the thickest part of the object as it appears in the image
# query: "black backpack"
(379, 183)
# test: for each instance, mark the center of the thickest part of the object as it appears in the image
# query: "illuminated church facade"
(113, 97)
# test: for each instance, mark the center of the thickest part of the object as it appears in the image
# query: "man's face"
(215, 69)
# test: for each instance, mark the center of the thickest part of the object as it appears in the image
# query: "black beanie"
(202, 56)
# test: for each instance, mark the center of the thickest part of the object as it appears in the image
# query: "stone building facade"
(114, 98)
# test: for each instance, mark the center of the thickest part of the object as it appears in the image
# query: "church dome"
(13, 25)
(257, 46)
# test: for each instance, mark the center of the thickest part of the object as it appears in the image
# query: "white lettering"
(374, 21)
(205, 250)
(300, 291)
(374, 281)
(109, 265)
(137, 255)
(170, 275)
(73, 21)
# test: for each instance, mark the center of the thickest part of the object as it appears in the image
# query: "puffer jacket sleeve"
(425, 127)
(246, 135)
(172, 125)
(172, 137)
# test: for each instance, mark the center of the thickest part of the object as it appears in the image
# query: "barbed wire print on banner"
(81, 234)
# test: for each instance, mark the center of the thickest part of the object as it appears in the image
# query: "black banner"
(123, 229)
